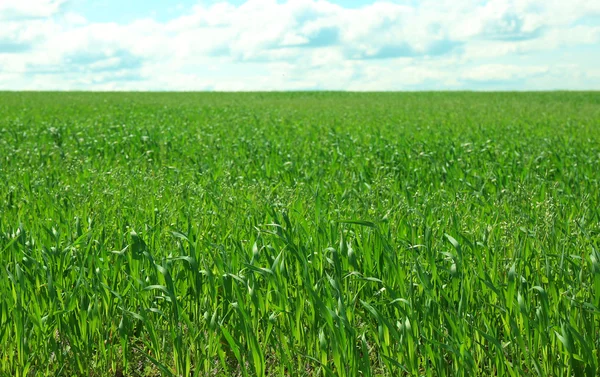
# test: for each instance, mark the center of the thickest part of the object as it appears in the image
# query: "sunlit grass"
(433, 234)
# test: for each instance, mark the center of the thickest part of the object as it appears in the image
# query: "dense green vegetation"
(434, 234)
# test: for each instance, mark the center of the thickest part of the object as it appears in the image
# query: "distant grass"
(333, 234)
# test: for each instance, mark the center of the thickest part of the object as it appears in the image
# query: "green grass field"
(301, 234)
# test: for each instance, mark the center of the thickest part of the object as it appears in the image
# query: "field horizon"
(323, 91)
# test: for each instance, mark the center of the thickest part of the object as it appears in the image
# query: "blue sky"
(299, 45)
(160, 10)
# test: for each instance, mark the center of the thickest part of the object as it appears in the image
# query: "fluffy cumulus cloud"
(306, 44)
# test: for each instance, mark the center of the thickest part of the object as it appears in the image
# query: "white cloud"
(502, 72)
(301, 44)
(20, 9)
